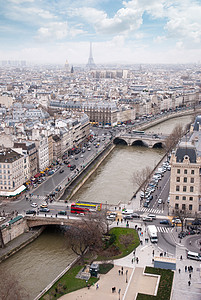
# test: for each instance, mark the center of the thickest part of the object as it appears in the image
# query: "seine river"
(40, 262)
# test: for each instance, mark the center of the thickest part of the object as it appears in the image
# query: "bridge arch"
(139, 143)
(119, 141)
(158, 145)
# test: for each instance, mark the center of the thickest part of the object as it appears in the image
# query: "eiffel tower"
(91, 65)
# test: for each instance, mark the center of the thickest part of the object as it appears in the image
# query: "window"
(183, 206)
(176, 205)
(177, 197)
(184, 188)
(178, 171)
(185, 171)
(192, 180)
(199, 207)
(190, 206)
(184, 198)
(191, 189)
(191, 198)
(178, 179)
(185, 179)
(192, 172)
(4, 166)
(177, 188)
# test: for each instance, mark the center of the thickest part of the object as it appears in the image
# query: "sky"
(124, 32)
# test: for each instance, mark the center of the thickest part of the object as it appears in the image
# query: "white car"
(159, 201)
(34, 204)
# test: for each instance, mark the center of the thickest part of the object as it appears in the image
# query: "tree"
(85, 235)
(142, 178)
(183, 215)
(10, 288)
(173, 139)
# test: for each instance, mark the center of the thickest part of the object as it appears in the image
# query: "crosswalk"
(38, 197)
(150, 210)
(164, 229)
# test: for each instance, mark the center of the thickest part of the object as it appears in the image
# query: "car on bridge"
(31, 212)
(44, 209)
(62, 212)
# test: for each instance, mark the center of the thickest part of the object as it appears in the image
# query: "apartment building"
(185, 181)
(11, 172)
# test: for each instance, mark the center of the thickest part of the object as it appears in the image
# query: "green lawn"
(126, 241)
(67, 284)
(165, 284)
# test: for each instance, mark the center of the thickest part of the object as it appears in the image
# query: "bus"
(138, 132)
(75, 209)
(90, 205)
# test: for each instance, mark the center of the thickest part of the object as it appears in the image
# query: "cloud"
(53, 30)
(125, 20)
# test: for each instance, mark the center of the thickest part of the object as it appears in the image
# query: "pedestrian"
(189, 283)
(132, 260)
(190, 243)
(179, 271)
(153, 252)
(185, 268)
(97, 286)
(134, 252)
(119, 272)
(137, 260)
(122, 272)
(190, 276)
(181, 257)
(117, 223)
(122, 268)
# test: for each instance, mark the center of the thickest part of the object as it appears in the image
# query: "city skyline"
(126, 32)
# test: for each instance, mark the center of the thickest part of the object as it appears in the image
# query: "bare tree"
(142, 178)
(173, 139)
(183, 215)
(86, 235)
(10, 288)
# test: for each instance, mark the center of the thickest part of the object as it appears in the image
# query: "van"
(193, 255)
(152, 216)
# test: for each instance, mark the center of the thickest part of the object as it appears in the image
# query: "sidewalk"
(137, 282)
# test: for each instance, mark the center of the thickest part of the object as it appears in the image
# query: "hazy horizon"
(122, 32)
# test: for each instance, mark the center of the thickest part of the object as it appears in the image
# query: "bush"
(105, 268)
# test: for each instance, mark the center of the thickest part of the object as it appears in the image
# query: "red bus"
(76, 209)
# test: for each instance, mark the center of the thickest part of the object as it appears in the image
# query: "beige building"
(11, 172)
(185, 181)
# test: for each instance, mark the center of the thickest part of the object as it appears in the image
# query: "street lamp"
(119, 292)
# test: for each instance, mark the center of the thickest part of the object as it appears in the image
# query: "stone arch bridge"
(147, 140)
(34, 221)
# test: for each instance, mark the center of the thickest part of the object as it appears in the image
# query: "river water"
(40, 262)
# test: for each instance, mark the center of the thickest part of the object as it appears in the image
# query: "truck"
(152, 232)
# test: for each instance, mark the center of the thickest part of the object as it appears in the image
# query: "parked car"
(196, 222)
(182, 234)
(72, 167)
(31, 212)
(44, 209)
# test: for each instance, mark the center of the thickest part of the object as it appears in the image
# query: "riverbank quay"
(85, 173)
(19, 242)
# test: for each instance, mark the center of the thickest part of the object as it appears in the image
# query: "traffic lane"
(166, 243)
(56, 179)
(162, 191)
